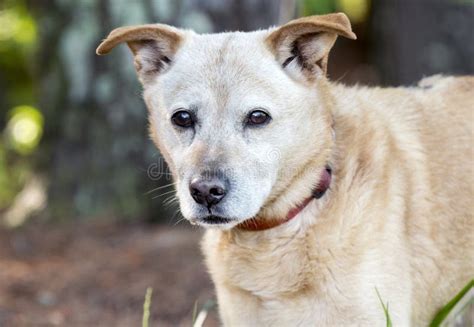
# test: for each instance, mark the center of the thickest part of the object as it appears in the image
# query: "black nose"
(209, 191)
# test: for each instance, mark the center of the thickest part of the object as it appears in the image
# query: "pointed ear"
(153, 47)
(302, 46)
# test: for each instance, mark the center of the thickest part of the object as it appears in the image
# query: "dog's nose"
(207, 191)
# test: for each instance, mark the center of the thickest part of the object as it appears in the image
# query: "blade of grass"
(195, 312)
(443, 313)
(200, 317)
(385, 309)
(146, 307)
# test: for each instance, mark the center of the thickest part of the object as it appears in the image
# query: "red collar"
(256, 224)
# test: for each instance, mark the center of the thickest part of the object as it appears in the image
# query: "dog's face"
(232, 112)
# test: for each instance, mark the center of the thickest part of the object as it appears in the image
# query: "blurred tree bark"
(416, 38)
(95, 149)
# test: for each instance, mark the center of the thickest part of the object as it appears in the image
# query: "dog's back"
(442, 240)
(424, 135)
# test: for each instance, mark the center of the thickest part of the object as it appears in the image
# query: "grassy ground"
(89, 275)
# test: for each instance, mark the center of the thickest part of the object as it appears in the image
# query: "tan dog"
(315, 194)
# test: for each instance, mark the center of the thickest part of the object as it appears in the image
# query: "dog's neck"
(257, 224)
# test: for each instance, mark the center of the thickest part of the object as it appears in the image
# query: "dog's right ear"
(153, 47)
(303, 44)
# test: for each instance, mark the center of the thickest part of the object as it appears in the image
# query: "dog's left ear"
(153, 47)
(304, 44)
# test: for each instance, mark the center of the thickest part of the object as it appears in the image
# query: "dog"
(319, 200)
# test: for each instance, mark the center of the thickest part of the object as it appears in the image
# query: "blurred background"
(87, 221)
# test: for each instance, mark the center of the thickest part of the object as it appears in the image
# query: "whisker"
(171, 204)
(160, 187)
(340, 78)
(163, 194)
(178, 221)
(177, 212)
(170, 199)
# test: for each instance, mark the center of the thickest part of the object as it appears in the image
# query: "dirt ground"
(97, 275)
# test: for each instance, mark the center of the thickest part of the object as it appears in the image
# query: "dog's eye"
(182, 118)
(258, 117)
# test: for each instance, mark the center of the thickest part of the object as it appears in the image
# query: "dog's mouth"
(213, 220)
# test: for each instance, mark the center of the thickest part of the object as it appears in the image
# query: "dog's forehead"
(221, 64)
(226, 48)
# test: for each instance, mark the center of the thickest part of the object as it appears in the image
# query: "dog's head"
(239, 117)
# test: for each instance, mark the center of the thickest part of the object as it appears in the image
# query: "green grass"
(440, 316)
(146, 307)
(443, 313)
(195, 312)
(385, 309)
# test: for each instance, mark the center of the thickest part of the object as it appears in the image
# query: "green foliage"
(357, 10)
(443, 313)
(18, 37)
(18, 27)
(23, 132)
(385, 309)
(24, 128)
(316, 7)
